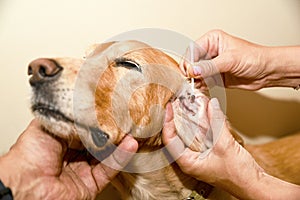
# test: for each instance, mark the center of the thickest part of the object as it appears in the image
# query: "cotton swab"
(192, 63)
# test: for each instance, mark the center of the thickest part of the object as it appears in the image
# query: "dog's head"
(120, 88)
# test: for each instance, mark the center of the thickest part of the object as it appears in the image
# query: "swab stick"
(192, 63)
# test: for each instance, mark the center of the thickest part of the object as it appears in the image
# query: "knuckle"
(217, 32)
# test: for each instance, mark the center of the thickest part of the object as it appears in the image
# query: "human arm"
(284, 64)
(228, 165)
(243, 64)
(40, 166)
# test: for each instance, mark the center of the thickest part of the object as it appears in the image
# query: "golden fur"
(105, 93)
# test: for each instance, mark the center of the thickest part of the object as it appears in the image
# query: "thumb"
(105, 171)
(173, 143)
(216, 119)
(169, 129)
(207, 68)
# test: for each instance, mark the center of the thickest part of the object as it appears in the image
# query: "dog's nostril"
(42, 71)
(29, 72)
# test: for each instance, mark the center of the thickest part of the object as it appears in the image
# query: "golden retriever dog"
(122, 88)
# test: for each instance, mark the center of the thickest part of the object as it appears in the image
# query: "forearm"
(259, 185)
(269, 187)
(274, 188)
(241, 176)
(284, 66)
(243, 180)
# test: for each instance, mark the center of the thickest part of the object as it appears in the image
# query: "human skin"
(228, 165)
(243, 64)
(41, 166)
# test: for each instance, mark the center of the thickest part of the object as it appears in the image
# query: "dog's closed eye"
(130, 64)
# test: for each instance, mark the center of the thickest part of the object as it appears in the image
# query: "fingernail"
(215, 103)
(197, 70)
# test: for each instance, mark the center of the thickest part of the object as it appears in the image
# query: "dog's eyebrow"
(128, 63)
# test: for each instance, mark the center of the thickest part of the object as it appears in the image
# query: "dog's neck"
(165, 183)
(154, 176)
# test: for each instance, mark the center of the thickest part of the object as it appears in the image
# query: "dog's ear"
(97, 48)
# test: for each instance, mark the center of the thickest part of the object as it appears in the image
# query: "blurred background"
(33, 28)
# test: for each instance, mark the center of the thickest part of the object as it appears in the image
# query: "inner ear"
(128, 63)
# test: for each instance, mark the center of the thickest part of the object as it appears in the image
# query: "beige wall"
(33, 28)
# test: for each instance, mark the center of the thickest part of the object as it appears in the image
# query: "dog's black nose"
(43, 70)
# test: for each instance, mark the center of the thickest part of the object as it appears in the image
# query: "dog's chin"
(56, 123)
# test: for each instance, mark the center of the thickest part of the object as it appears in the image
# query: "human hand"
(40, 166)
(227, 165)
(242, 64)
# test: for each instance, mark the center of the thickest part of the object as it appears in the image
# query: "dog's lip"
(48, 110)
(99, 137)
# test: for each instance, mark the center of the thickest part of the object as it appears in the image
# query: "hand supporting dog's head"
(120, 88)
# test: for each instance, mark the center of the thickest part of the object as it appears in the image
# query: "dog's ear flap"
(97, 48)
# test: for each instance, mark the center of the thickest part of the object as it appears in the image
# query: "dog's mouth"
(99, 137)
(50, 111)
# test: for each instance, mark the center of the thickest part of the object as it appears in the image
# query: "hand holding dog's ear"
(227, 164)
(40, 166)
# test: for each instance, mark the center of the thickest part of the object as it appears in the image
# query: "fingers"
(105, 171)
(222, 137)
(211, 43)
(216, 119)
(126, 149)
(34, 126)
(214, 111)
(183, 156)
(206, 62)
(173, 143)
(34, 122)
(169, 115)
(191, 56)
(123, 153)
(187, 159)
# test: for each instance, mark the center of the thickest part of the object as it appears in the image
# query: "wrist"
(6, 175)
(270, 187)
(21, 178)
(5, 192)
(240, 174)
(245, 185)
(283, 65)
(14, 174)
